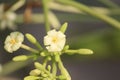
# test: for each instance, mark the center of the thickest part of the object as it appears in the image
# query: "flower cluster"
(55, 46)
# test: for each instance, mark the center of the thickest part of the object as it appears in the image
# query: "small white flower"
(13, 41)
(54, 41)
(7, 19)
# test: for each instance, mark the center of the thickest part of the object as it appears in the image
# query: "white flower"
(54, 41)
(7, 19)
(13, 41)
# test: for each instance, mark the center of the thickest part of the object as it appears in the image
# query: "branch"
(88, 10)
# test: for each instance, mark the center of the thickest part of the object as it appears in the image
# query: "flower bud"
(44, 75)
(64, 27)
(39, 66)
(43, 54)
(31, 78)
(49, 58)
(35, 72)
(61, 77)
(66, 47)
(80, 51)
(31, 38)
(20, 58)
(49, 67)
(85, 51)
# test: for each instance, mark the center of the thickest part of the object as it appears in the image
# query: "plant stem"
(46, 11)
(71, 51)
(17, 5)
(45, 62)
(109, 3)
(54, 70)
(42, 68)
(88, 10)
(37, 44)
(63, 69)
(29, 48)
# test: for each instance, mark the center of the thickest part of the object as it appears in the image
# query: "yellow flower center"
(54, 39)
(13, 41)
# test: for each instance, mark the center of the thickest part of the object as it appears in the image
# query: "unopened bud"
(61, 77)
(85, 51)
(35, 72)
(64, 27)
(66, 47)
(43, 54)
(39, 66)
(31, 38)
(49, 67)
(31, 78)
(20, 58)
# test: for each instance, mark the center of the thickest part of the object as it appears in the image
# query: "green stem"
(17, 5)
(88, 10)
(63, 69)
(37, 44)
(45, 62)
(109, 3)
(54, 70)
(42, 68)
(71, 51)
(46, 11)
(29, 48)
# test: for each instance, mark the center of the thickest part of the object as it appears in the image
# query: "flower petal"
(8, 47)
(13, 41)
(16, 46)
(54, 41)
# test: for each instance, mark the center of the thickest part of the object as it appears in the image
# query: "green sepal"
(64, 27)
